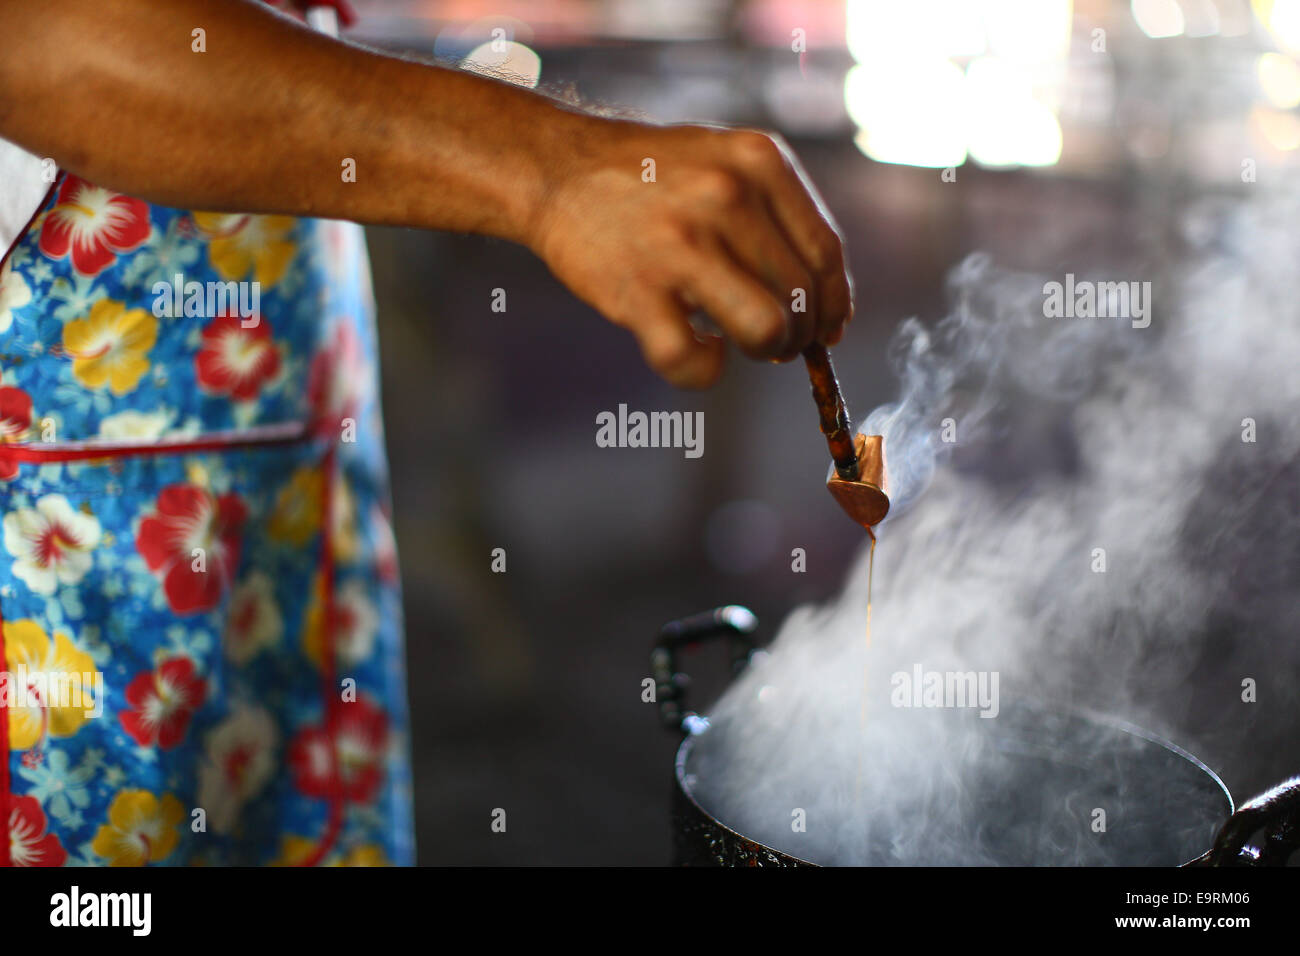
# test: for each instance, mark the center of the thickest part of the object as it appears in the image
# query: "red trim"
(331, 702)
(22, 234)
(34, 453)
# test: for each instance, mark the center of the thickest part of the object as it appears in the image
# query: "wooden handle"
(834, 416)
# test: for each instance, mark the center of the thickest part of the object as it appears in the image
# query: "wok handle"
(733, 622)
(1275, 815)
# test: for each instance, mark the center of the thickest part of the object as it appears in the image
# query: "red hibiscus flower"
(335, 380)
(235, 360)
(29, 844)
(192, 543)
(162, 703)
(358, 749)
(15, 419)
(95, 224)
(385, 544)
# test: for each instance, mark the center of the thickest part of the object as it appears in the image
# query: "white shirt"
(22, 187)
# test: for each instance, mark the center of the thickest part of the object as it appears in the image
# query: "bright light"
(505, 60)
(1159, 18)
(1281, 130)
(943, 27)
(1029, 31)
(915, 105)
(1007, 126)
(1282, 17)
(1279, 78)
(910, 111)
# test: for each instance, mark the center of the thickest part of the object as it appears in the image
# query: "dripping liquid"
(866, 650)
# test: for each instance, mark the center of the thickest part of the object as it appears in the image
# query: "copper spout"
(865, 500)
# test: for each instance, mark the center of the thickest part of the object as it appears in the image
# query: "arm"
(263, 120)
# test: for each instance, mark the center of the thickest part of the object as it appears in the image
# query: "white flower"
(51, 543)
(356, 621)
(132, 424)
(14, 294)
(240, 760)
(254, 620)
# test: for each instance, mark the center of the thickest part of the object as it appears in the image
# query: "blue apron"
(201, 636)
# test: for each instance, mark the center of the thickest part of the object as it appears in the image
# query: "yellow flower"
(345, 527)
(109, 345)
(141, 828)
(366, 856)
(313, 627)
(294, 850)
(297, 850)
(298, 506)
(62, 677)
(241, 243)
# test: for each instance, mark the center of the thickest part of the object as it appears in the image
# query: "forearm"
(264, 120)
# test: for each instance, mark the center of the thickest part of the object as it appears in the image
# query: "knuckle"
(703, 378)
(667, 355)
(719, 187)
(827, 253)
(678, 231)
(624, 309)
(757, 150)
(767, 332)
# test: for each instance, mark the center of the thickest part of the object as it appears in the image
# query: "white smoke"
(1077, 441)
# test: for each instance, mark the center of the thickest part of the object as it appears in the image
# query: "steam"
(1078, 442)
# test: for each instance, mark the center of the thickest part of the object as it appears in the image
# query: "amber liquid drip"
(866, 649)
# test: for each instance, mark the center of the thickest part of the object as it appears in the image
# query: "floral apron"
(201, 633)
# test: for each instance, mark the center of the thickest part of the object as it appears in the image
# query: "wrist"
(553, 154)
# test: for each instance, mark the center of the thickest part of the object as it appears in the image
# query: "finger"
(811, 229)
(672, 348)
(743, 307)
(760, 245)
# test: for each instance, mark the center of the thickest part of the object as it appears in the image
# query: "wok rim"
(683, 754)
(1095, 717)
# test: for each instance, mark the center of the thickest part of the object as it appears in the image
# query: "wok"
(1048, 769)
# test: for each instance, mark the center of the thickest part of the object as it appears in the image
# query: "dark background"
(526, 686)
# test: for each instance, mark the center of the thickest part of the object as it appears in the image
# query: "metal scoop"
(859, 480)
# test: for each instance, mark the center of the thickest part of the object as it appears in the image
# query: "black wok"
(1053, 768)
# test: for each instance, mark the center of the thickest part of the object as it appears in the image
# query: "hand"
(730, 225)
